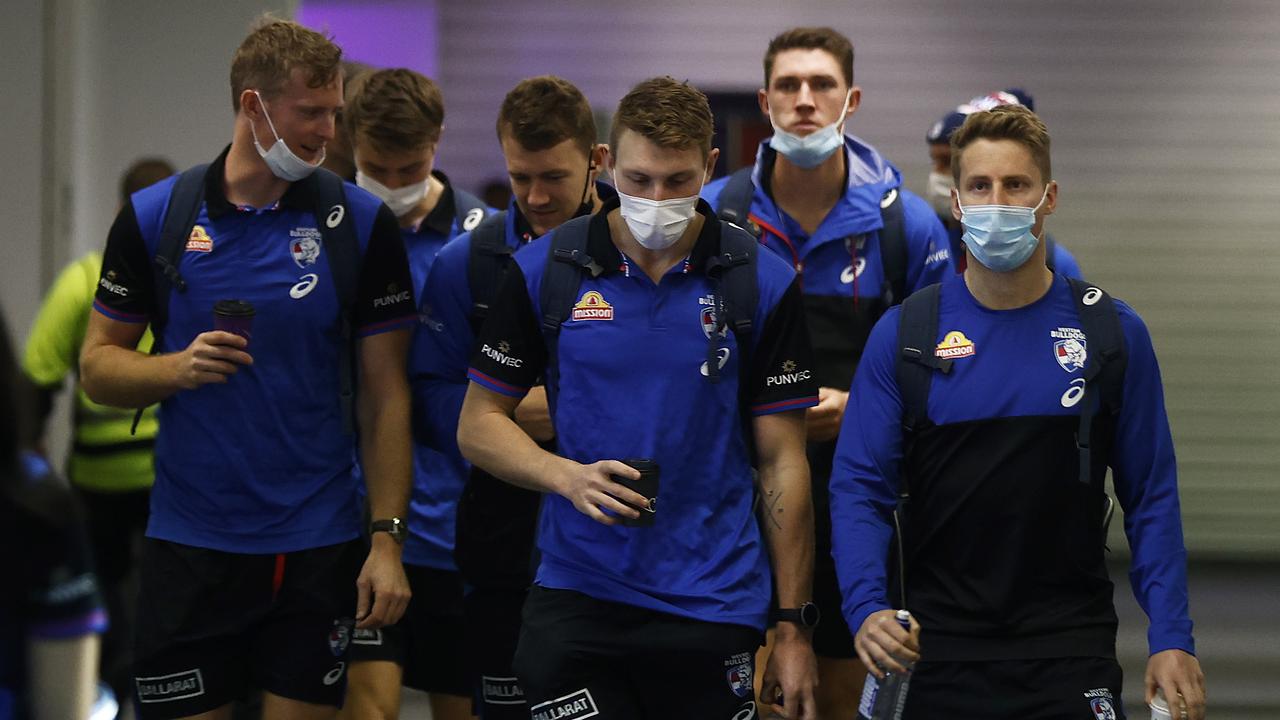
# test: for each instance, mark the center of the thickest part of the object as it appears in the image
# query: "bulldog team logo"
(738, 674)
(1070, 348)
(304, 245)
(592, 306)
(709, 323)
(199, 240)
(339, 637)
(1102, 703)
(955, 345)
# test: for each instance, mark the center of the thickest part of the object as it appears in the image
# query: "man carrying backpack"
(985, 413)
(835, 209)
(252, 572)
(673, 352)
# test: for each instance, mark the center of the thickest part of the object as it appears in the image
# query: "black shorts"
(1084, 688)
(492, 631)
(212, 624)
(428, 640)
(580, 657)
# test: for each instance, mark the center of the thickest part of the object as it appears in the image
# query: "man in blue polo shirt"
(986, 411)
(836, 210)
(253, 548)
(548, 139)
(394, 119)
(660, 619)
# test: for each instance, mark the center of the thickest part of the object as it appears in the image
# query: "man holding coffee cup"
(252, 546)
(646, 364)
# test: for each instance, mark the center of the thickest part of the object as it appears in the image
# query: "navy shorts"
(1083, 688)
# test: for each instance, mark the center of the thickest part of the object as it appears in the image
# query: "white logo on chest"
(1074, 393)
(305, 285)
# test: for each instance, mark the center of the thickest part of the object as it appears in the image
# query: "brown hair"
(811, 38)
(395, 110)
(1005, 122)
(542, 112)
(143, 173)
(669, 113)
(273, 50)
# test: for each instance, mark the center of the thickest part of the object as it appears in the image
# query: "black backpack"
(735, 207)
(732, 271)
(486, 264)
(337, 232)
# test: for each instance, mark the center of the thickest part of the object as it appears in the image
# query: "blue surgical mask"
(813, 149)
(999, 236)
(283, 163)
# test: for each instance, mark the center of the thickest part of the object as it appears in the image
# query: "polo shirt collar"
(215, 197)
(600, 242)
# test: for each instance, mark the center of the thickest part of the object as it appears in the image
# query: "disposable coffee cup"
(646, 485)
(234, 316)
(1160, 708)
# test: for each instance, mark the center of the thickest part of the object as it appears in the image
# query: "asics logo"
(473, 218)
(305, 285)
(1092, 296)
(1074, 393)
(723, 355)
(336, 213)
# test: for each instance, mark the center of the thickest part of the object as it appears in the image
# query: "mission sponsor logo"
(199, 240)
(394, 296)
(592, 306)
(501, 690)
(501, 354)
(167, 688)
(789, 375)
(574, 706)
(954, 345)
(1069, 348)
(304, 245)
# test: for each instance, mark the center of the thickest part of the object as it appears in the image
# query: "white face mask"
(939, 193)
(657, 224)
(401, 200)
(283, 163)
(813, 149)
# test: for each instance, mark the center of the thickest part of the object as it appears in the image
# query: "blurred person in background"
(51, 613)
(547, 134)
(837, 211)
(394, 119)
(253, 545)
(110, 468)
(1057, 257)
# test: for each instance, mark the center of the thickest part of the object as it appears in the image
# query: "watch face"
(809, 614)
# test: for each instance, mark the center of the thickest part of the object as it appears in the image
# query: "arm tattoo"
(773, 507)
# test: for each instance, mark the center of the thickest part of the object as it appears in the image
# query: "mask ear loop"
(266, 115)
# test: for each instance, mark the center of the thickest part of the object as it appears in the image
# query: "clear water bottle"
(884, 699)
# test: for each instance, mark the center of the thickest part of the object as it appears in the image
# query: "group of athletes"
(580, 455)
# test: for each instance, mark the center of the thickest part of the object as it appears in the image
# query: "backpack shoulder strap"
(917, 359)
(735, 198)
(487, 259)
(180, 216)
(1050, 253)
(893, 247)
(1105, 362)
(468, 210)
(567, 262)
(734, 275)
(342, 246)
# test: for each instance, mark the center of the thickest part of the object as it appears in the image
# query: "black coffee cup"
(234, 316)
(646, 485)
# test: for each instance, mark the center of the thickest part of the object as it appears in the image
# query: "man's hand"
(882, 643)
(1178, 674)
(533, 416)
(592, 491)
(382, 584)
(213, 357)
(791, 675)
(822, 422)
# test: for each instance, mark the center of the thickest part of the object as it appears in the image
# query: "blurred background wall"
(1165, 119)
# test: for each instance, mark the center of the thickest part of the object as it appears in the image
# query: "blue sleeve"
(929, 258)
(1146, 482)
(864, 477)
(1064, 263)
(442, 348)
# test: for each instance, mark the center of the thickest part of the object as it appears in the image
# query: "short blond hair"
(394, 110)
(1004, 122)
(667, 112)
(273, 50)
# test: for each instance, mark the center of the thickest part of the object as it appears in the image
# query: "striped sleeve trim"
(118, 315)
(92, 622)
(386, 326)
(496, 385)
(785, 405)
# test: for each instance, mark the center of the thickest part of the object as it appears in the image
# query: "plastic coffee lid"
(233, 308)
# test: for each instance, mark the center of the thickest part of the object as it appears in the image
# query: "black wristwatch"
(806, 616)
(394, 527)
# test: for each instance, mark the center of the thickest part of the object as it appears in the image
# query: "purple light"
(383, 33)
